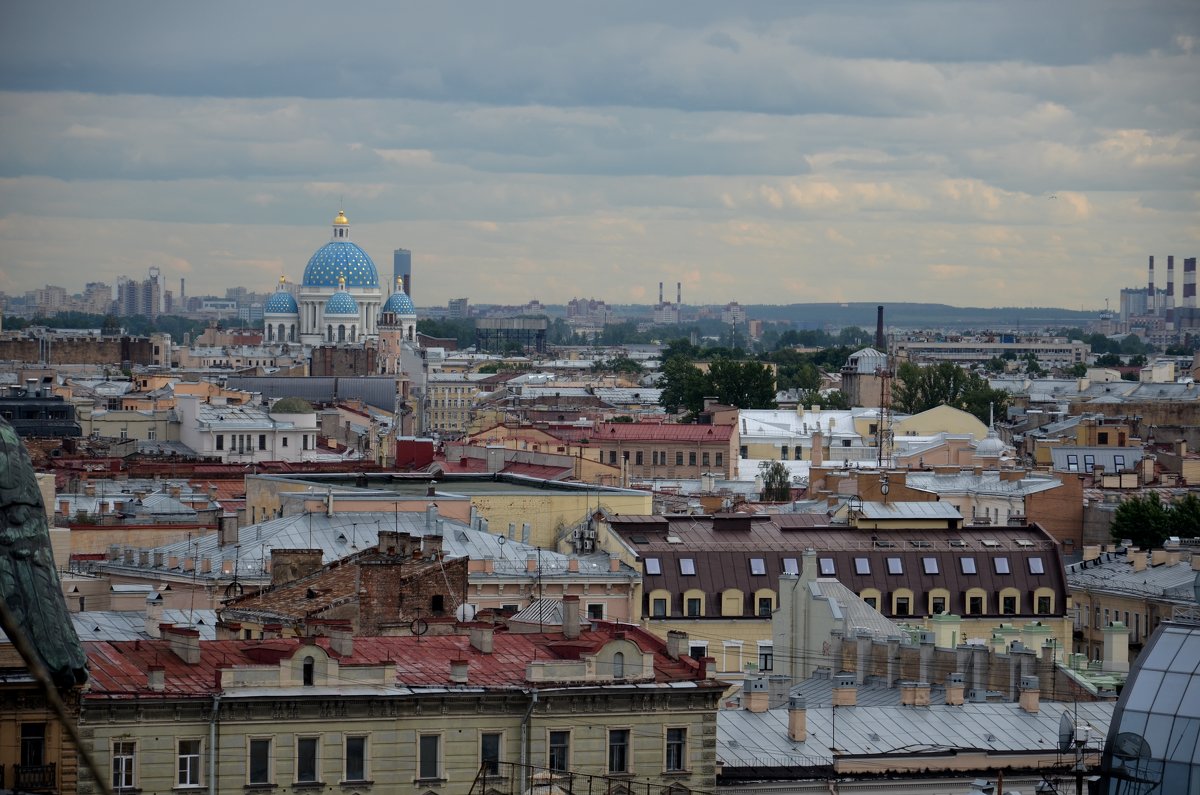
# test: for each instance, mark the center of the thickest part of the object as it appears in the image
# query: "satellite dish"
(1130, 745)
(465, 612)
(1066, 732)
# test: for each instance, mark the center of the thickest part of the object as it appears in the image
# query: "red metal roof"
(118, 668)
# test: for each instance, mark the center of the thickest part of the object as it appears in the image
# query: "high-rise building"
(402, 268)
(458, 308)
(140, 298)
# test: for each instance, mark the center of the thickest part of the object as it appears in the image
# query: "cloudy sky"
(984, 154)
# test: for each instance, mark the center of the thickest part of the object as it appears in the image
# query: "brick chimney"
(818, 452)
(531, 563)
(459, 671)
(845, 692)
(955, 689)
(1137, 558)
(292, 564)
(185, 642)
(797, 719)
(482, 638)
(757, 694)
(614, 562)
(921, 694)
(908, 693)
(1116, 648)
(1030, 694)
(570, 617)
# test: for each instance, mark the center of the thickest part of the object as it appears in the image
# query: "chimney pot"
(459, 671)
(797, 719)
(482, 638)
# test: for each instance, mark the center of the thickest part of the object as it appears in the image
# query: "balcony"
(35, 778)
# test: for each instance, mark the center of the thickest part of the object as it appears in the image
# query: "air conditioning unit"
(589, 533)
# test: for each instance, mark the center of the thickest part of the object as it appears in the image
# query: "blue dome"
(399, 303)
(281, 303)
(341, 303)
(340, 258)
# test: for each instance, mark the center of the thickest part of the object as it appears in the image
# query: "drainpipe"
(212, 745)
(525, 738)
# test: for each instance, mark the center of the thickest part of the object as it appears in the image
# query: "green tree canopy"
(1147, 522)
(745, 384)
(918, 389)
(777, 486)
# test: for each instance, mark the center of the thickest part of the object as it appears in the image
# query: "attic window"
(862, 565)
(758, 567)
(1036, 566)
(1024, 542)
(639, 539)
(687, 566)
(309, 668)
(1001, 565)
(967, 565)
(653, 566)
(957, 542)
(987, 542)
(827, 567)
(791, 566)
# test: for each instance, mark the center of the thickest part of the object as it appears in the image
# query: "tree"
(919, 389)
(618, 364)
(1145, 521)
(834, 399)
(747, 385)
(1077, 370)
(777, 485)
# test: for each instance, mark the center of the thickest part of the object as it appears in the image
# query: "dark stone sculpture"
(29, 583)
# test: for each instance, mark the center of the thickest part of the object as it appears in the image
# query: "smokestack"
(660, 293)
(678, 293)
(1170, 288)
(181, 291)
(1150, 288)
(879, 343)
(1189, 282)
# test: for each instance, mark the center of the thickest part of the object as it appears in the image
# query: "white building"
(248, 433)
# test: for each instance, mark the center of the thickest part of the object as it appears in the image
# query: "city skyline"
(974, 155)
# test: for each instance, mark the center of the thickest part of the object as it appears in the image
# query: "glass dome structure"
(1153, 744)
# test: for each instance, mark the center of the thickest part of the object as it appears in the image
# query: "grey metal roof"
(1113, 573)
(545, 612)
(985, 483)
(760, 741)
(344, 534)
(131, 625)
(376, 391)
(857, 613)
(910, 510)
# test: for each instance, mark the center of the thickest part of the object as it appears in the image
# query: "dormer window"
(309, 671)
(618, 665)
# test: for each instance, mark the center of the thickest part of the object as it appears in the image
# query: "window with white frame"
(618, 750)
(828, 569)
(653, 566)
(930, 565)
(676, 749)
(766, 657)
(791, 566)
(862, 565)
(259, 767)
(758, 567)
(306, 760)
(124, 756)
(687, 566)
(895, 566)
(356, 759)
(1001, 565)
(429, 763)
(188, 764)
(1036, 566)
(967, 565)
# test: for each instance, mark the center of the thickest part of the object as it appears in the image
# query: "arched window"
(619, 665)
(341, 333)
(309, 668)
(329, 333)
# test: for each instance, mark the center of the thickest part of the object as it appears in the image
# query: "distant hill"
(924, 316)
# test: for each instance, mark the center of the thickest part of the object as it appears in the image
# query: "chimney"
(64, 508)
(757, 694)
(570, 617)
(1189, 282)
(531, 563)
(573, 565)
(845, 692)
(1170, 288)
(1158, 557)
(458, 671)
(677, 644)
(1150, 288)
(1195, 561)
(880, 345)
(818, 449)
(185, 642)
(678, 293)
(206, 565)
(955, 688)
(1172, 557)
(431, 515)
(1137, 558)
(341, 640)
(908, 693)
(921, 694)
(154, 615)
(156, 677)
(797, 719)
(1030, 694)
(660, 293)
(1116, 648)
(614, 562)
(482, 639)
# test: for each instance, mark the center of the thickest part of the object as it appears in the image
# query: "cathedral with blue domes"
(340, 298)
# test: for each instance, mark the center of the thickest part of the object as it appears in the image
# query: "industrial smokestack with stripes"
(1149, 289)
(1189, 282)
